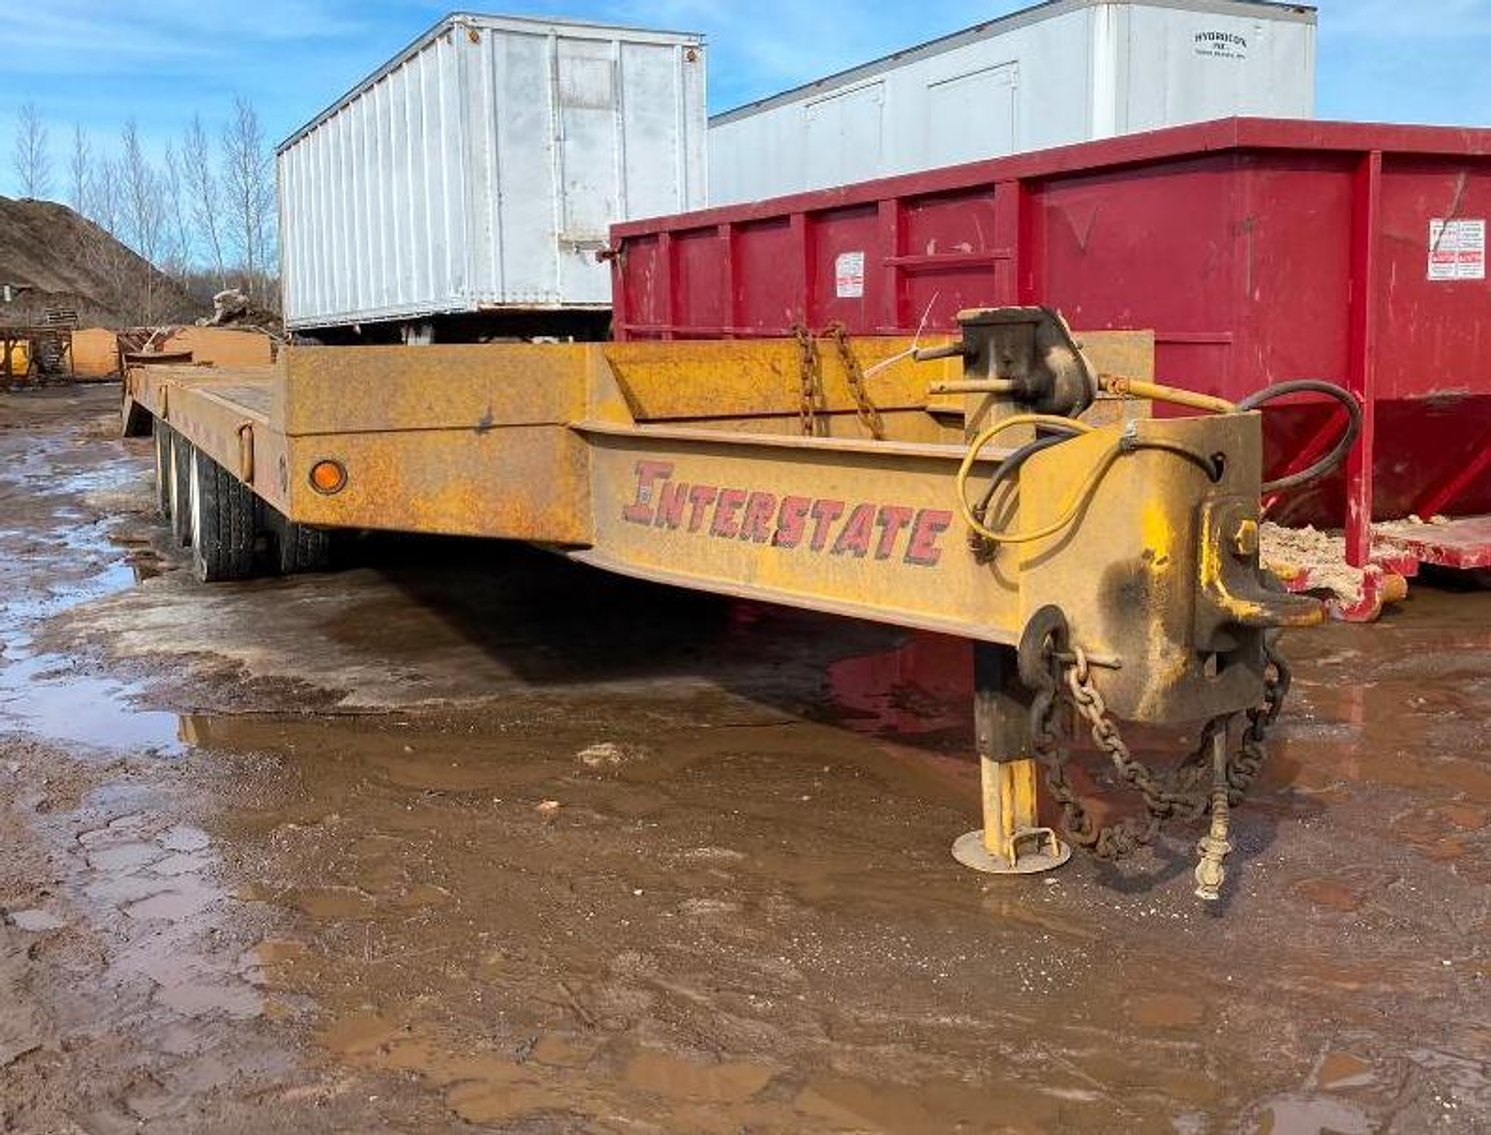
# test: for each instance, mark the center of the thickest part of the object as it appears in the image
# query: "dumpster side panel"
(1433, 373)
(1433, 311)
(948, 249)
(768, 250)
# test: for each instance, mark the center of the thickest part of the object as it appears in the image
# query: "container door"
(843, 136)
(970, 117)
(587, 126)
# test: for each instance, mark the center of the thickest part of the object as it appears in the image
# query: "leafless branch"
(249, 190)
(202, 188)
(33, 159)
(80, 171)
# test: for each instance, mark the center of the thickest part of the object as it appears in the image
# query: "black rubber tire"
(302, 549)
(180, 489)
(224, 522)
(162, 435)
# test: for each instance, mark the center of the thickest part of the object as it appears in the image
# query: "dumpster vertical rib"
(1361, 377)
(729, 315)
(893, 303)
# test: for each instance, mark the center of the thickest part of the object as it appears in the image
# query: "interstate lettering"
(860, 529)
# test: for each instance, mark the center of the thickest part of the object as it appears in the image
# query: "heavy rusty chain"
(869, 416)
(810, 380)
(1184, 792)
(1245, 767)
(1045, 742)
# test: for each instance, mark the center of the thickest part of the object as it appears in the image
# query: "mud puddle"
(463, 840)
(41, 694)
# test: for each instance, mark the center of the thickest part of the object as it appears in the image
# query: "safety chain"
(810, 380)
(869, 416)
(1277, 678)
(1184, 792)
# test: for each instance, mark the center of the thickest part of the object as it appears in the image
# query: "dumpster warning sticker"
(849, 275)
(1457, 250)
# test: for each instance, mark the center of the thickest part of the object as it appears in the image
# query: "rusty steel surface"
(684, 463)
(225, 413)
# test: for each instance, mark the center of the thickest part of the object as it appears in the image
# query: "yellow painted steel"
(226, 414)
(1011, 840)
(1009, 800)
(519, 483)
(1127, 387)
(717, 381)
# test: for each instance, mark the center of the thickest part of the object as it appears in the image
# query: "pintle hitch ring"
(1046, 636)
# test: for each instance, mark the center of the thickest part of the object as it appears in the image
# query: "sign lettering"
(858, 529)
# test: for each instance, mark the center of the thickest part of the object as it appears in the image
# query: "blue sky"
(97, 61)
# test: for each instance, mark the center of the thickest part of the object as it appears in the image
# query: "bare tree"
(201, 185)
(249, 190)
(177, 256)
(144, 211)
(33, 159)
(109, 257)
(107, 197)
(80, 170)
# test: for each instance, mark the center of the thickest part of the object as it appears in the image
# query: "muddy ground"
(467, 838)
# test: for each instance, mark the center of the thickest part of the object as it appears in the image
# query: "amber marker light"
(328, 477)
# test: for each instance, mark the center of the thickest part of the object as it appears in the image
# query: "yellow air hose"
(1074, 503)
(982, 441)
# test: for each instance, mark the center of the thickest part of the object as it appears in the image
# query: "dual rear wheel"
(231, 532)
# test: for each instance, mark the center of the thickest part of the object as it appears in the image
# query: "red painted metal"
(1464, 543)
(1361, 372)
(1258, 250)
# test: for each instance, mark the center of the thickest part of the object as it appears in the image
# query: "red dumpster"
(1258, 250)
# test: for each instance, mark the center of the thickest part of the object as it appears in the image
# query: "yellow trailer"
(1006, 487)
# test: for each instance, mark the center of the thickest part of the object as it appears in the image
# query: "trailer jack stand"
(1010, 842)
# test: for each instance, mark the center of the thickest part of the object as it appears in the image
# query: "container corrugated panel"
(1062, 72)
(1257, 251)
(482, 166)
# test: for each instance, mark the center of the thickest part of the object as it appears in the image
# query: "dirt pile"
(53, 258)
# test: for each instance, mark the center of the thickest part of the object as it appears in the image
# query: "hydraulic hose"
(1331, 460)
(1064, 429)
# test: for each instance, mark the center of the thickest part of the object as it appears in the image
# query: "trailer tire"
(162, 436)
(180, 489)
(223, 522)
(303, 549)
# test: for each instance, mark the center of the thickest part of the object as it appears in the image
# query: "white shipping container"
(1061, 72)
(481, 168)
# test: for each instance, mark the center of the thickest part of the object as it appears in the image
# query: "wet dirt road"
(471, 839)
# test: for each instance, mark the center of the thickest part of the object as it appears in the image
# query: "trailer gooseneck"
(1095, 556)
